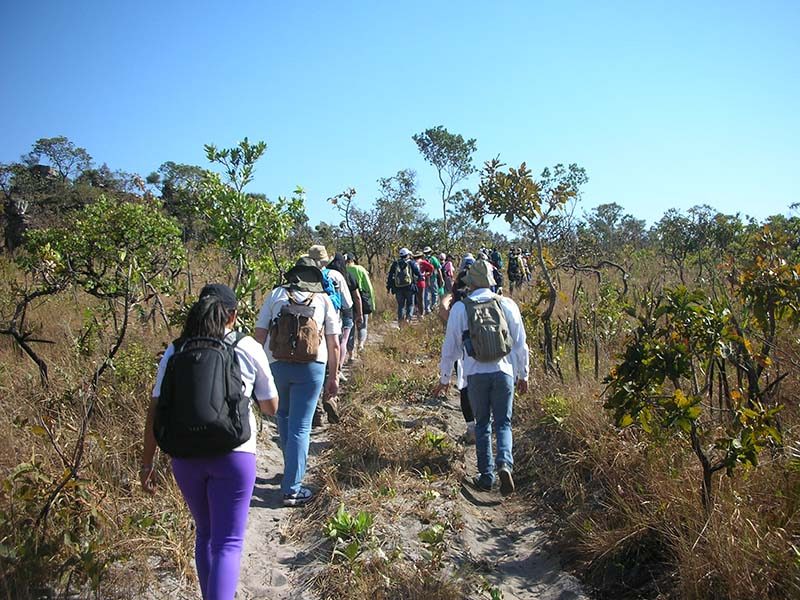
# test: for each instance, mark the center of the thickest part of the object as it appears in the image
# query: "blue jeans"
(217, 490)
(299, 385)
(431, 295)
(491, 395)
(405, 302)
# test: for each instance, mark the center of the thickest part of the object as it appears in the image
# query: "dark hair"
(207, 318)
(338, 264)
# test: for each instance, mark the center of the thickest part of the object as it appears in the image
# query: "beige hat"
(479, 275)
(320, 255)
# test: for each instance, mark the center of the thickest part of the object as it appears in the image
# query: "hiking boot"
(304, 496)
(469, 434)
(331, 409)
(316, 420)
(506, 481)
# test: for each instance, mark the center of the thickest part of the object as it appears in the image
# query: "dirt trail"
(498, 538)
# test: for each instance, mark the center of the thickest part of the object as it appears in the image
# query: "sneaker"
(341, 376)
(360, 346)
(331, 409)
(482, 483)
(506, 481)
(469, 434)
(304, 496)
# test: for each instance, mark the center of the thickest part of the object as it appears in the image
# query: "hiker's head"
(213, 311)
(404, 253)
(480, 275)
(349, 258)
(338, 264)
(305, 276)
(427, 250)
(467, 261)
(320, 255)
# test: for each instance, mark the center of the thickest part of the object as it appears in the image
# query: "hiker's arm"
(520, 355)
(332, 383)
(146, 467)
(358, 309)
(260, 335)
(264, 390)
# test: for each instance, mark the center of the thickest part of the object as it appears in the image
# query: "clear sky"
(665, 104)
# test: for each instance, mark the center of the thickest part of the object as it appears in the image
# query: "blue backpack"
(330, 288)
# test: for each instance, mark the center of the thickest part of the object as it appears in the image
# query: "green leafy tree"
(663, 383)
(63, 155)
(248, 227)
(517, 197)
(451, 155)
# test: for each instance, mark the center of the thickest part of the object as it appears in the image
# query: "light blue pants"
(299, 385)
(491, 396)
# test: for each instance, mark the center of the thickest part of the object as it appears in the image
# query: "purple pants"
(218, 491)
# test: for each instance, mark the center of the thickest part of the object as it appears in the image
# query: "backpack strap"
(238, 336)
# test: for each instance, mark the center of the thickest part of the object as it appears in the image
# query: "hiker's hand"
(332, 387)
(522, 386)
(359, 322)
(440, 390)
(147, 477)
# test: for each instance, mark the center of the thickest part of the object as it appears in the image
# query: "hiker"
(367, 293)
(487, 330)
(436, 279)
(448, 271)
(298, 364)
(350, 317)
(335, 285)
(427, 271)
(458, 293)
(516, 274)
(402, 282)
(217, 488)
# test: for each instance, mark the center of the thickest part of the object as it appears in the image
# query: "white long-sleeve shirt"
(516, 363)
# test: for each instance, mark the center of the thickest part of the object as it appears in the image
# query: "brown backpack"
(294, 335)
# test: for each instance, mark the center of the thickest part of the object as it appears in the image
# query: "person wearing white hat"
(402, 282)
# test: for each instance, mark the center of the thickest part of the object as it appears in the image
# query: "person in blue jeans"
(299, 384)
(217, 488)
(402, 282)
(490, 384)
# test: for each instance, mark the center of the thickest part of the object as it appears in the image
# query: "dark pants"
(405, 302)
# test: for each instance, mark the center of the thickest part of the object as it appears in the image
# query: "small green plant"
(435, 441)
(349, 533)
(556, 408)
(433, 540)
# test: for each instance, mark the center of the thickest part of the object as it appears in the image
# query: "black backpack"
(202, 409)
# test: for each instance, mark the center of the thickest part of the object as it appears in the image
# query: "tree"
(180, 186)
(244, 225)
(63, 155)
(518, 198)
(451, 155)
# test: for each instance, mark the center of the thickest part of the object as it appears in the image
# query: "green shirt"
(437, 266)
(361, 276)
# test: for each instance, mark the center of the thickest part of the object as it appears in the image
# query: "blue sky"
(665, 104)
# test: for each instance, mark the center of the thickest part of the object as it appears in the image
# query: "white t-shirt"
(324, 315)
(256, 378)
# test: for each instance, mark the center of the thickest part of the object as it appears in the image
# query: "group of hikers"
(201, 412)
(418, 280)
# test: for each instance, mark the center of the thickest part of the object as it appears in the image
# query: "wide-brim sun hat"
(404, 252)
(427, 250)
(305, 276)
(319, 254)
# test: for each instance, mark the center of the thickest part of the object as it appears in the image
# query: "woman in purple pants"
(217, 489)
